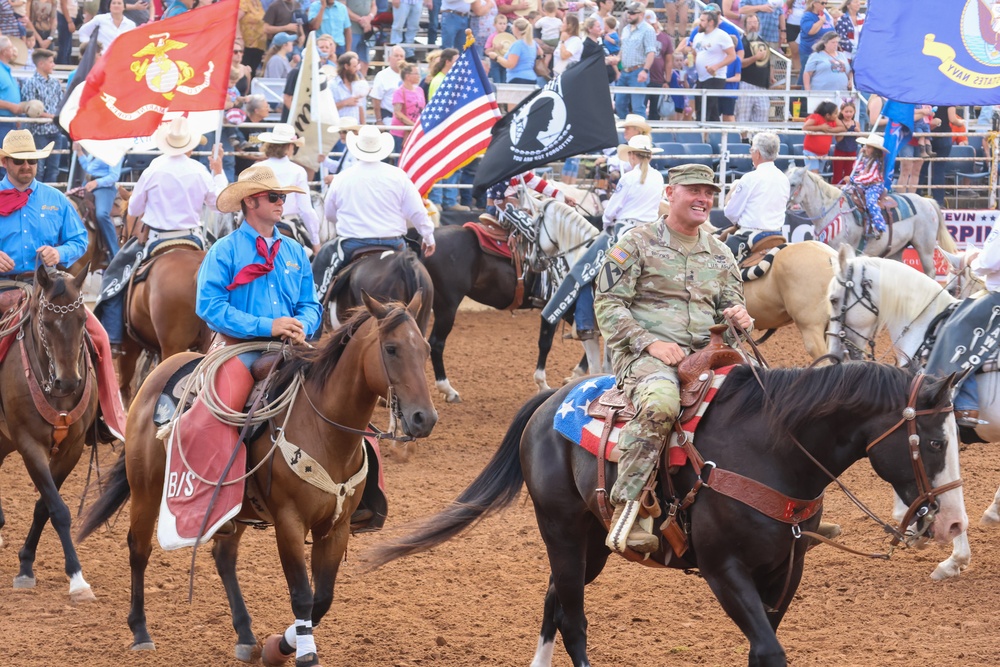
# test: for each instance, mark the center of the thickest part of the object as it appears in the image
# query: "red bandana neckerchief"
(252, 272)
(13, 200)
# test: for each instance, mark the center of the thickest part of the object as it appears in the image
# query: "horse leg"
(225, 551)
(144, 508)
(957, 562)
(444, 320)
(546, 332)
(327, 555)
(51, 505)
(126, 367)
(992, 514)
(734, 587)
(298, 638)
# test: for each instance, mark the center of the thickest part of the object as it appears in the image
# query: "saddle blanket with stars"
(573, 422)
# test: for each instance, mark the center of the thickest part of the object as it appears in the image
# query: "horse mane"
(903, 294)
(826, 189)
(571, 228)
(795, 397)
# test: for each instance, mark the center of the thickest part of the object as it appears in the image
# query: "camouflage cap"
(692, 174)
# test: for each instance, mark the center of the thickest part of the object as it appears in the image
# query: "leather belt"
(632, 69)
(452, 11)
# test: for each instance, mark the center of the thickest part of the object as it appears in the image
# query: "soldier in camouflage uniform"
(660, 289)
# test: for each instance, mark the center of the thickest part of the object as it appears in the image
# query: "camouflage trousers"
(653, 388)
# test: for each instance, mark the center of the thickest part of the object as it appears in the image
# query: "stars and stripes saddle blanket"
(573, 422)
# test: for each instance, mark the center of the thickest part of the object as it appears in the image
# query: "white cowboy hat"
(283, 133)
(176, 138)
(21, 144)
(369, 144)
(345, 124)
(636, 121)
(640, 143)
(873, 140)
(252, 181)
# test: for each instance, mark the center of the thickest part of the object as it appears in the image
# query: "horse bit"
(863, 299)
(45, 304)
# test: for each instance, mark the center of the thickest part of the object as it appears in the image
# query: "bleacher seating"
(739, 161)
(670, 148)
(700, 154)
(689, 137)
(783, 163)
(964, 171)
(715, 139)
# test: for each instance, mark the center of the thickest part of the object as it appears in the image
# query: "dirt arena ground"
(478, 601)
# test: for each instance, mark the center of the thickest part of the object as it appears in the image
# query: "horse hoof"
(947, 570)
(144, 646)
(453, 398)
(84, 594)
(23, 581)
(990, 517)
(271, 655)
(247, 652)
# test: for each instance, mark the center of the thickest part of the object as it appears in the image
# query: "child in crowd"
(549, 25)
(678, 80)
(496, 72)
(233, 98)
(846, 146)
(924, 125)
(407, 103)
(612, 42)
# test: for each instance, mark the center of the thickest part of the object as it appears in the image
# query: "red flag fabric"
(169, 65)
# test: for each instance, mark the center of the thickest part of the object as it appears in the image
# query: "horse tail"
(496, 487)
(944, 238)
(116, 492)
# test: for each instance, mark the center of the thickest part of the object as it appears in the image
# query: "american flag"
(454, 127)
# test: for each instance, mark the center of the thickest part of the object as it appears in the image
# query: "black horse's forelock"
(793, 397)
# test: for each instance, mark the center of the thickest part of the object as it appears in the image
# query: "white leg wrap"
(618, 535)
(305, 644)
(290, 636)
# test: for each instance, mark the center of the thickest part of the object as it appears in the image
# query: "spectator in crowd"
(43, 20)
(662, 61)
(11, 24)
(569, 49)
(846, 146)
(820, 127)
(47, 89)
(66, 11)
(509, 9)
(638, 49)
(593, 29)
(484, 13)
(283, 17)
(454, 20)
(349, 88)
(361, 13)
(497, 73)
(248, 138)
(103, 186)
(385, 84)
(848, 27)
(911, 163)
(332, 20)
(714, 50)
(756, 75)
(405, 22)
(177, 7)
(520, 58)
(279, 145)
(432, 58)
(327, 49)
(816, 22)
(440, 70)
(768, 15)
(10, 92)
(549, 26)
(828, 69)
(734, 74)
(108, 26)
(923, 126)
(676, 17)
(942, 142)
(678, 80)
(612, 40)
(276, 63)
(251, 35)
(137, 12)
(407, 103)
(792, 18)
(730, 10)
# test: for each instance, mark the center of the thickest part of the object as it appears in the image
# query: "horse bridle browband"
(863, 299)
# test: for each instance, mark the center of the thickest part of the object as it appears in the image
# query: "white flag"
(313, 109)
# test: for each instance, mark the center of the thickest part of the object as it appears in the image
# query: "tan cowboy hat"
(345, 124)
(176, 138)
(21, 144)
(21, 57)
(283, 133)
(873, 140)
(253, 180)
(502, 42)
(640, 143)
(34, 108)
(369, 144)
(634, 120)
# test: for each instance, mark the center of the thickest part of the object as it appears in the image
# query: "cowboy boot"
(969, 418)
(624, 523)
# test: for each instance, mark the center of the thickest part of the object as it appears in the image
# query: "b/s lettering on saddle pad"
(573, 422)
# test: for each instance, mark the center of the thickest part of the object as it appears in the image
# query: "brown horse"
(380, 350)
(47, 408)
(97, 254)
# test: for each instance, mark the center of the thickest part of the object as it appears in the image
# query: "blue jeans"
(360, 46)
(104, 200)
(630, 79)
(64, 47)
(967, 397)
(453, 27)
(48, 169)
(405, 22)
(350, 246)
(583, 315)
(445, 197)
(433, 22)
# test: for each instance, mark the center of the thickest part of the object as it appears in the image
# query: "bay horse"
(96, 255)
(760, 429)
(459, 268)
(827, 206)
(378, 352)
(58, 386)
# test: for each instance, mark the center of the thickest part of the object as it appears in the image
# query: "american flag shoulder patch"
(620, 255)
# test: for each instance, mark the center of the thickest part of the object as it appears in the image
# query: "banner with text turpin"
(931, 52)
(570, 115)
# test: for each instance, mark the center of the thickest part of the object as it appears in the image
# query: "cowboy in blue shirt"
(103, 186)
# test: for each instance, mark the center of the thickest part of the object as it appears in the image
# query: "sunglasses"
(272, 197)
(18, 161)
(237, 51)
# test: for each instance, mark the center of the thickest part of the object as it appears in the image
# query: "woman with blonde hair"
(432, 59)
(637, 198)
(520, 58)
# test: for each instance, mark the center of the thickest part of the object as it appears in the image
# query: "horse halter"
(865, 300)
(925, 506)
(45, 304)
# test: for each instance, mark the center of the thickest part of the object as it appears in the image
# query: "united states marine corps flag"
(180, 64)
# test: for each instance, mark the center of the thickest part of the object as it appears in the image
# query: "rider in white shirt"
(278, 145)
(637, 198)
(758, 201)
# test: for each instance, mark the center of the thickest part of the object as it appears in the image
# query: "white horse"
(831, 213)
(869, 295)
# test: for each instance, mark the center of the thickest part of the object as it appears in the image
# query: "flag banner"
(570, 115)
(158, 68)
(454, 127)
(313, 108)
(931, 52)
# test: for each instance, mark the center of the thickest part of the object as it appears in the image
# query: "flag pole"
(319, 125)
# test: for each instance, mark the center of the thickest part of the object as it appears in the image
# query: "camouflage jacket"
(649, 288)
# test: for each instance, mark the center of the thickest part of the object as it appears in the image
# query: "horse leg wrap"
(301, 638)
(618, 535)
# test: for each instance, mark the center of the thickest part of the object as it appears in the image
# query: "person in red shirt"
(819, 128)
(869, 175)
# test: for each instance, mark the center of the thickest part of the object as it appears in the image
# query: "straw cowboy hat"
(640, 143)
(369, 144)
(283, 133)
(873, 140)
(636, 121)
(176, 138)
(345, 124)
(502, 42)
(252, 181)
(21, 144)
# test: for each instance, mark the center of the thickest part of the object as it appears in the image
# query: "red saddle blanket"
(8, 301)
(491, 239)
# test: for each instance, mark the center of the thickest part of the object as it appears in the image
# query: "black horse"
(753, 563)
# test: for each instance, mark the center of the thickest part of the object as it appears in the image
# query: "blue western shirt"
(10, 91)
(47, 219)
(249, 310)
(106, 175)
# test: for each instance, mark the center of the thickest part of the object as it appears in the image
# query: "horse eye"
(390, 350)
(937, 445)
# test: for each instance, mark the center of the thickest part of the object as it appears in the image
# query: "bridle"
(865, 300)
(45, 304)
(793, 197)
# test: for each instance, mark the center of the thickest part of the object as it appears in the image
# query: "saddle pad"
(573, 422)
(489, 243)
(904, 209)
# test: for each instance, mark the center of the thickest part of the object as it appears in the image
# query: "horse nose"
(65, 386)
(421, 423)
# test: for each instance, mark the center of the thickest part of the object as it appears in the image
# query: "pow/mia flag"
(570, 115)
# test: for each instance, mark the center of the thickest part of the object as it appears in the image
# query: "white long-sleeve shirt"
(987, 264)
(759, 199)
(107, 31)
(376, 200)
(171, 192)
(633, 200)
(288, 173)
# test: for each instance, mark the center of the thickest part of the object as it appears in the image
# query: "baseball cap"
(282, 38)
(692, 174)
(712, 8)
(635, 8)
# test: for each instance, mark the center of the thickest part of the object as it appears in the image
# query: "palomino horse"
(838, 414)
(379, 352)
(832, 215)
(57, 390)
(459, 268)
(869, 295)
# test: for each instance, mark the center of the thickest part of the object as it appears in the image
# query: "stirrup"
(620, 536)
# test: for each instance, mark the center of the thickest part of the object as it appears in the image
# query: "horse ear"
(374, 306)
(122, 192)
(413, 307)
(845, 255)
(42, 278)
(941, 389)
(80, 278)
